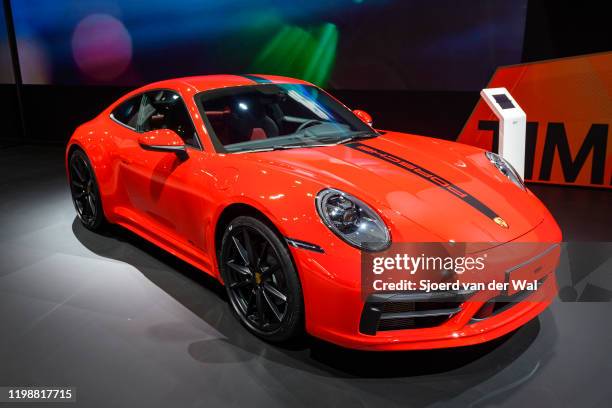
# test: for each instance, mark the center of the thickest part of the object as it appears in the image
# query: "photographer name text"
(427, 285)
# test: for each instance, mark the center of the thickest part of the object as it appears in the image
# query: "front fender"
(288, 201)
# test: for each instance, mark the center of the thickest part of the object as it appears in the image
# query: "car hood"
(448, 188)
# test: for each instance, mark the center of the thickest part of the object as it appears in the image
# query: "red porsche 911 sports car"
(275, 188)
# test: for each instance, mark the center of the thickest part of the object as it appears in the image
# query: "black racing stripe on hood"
(426, 175)
(258, 79)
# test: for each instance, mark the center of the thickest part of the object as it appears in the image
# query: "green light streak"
(297, 52)
(321, 63)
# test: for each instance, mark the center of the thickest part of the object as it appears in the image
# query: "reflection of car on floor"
(273, 187)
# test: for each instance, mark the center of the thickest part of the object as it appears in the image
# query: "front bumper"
(336, 311)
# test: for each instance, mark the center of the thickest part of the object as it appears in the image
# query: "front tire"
(261, 281)
(85, 191)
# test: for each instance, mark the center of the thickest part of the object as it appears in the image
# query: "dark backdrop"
(551, 29)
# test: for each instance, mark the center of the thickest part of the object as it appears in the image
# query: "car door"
(166, 190)
(124, 134)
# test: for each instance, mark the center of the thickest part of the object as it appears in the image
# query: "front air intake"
(383, 312)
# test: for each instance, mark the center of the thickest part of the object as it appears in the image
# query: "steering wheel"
(308, 123)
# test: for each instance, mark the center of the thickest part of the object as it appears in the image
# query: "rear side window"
(127, 112)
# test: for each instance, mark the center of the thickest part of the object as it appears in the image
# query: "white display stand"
(512, 126)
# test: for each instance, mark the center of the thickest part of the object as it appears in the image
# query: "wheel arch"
(72, 147)
(238, 209)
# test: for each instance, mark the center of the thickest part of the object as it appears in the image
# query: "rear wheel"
(84, 190)
(261, 281)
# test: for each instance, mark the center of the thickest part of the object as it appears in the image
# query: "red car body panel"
(176, 204)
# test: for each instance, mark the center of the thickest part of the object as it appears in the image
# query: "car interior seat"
(248, 121)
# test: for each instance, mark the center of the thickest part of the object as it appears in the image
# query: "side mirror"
(163, 140)
(364, 116)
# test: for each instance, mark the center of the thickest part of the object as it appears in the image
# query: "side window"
(165, 109)
(127, 112)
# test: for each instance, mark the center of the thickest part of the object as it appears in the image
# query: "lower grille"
(384, 312)
(402, 323)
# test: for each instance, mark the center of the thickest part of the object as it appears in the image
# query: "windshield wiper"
(366, 134)
(360, 135)
(276, 147)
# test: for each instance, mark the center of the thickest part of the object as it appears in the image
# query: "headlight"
(506, 169)
(352, 220)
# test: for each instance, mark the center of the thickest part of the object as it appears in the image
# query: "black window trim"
(114, 119)
(121, 123)
(142, 95)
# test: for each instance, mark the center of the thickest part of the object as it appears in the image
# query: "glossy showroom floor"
(129, 325)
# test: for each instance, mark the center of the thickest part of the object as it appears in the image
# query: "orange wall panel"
(568, 103)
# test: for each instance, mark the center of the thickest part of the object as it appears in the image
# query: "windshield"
(277, 116)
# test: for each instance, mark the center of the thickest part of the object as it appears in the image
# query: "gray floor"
(129, 325)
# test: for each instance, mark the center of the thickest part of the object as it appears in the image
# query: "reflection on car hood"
(449, 188)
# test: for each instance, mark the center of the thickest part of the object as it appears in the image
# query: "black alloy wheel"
(261, 281)
(84, 190)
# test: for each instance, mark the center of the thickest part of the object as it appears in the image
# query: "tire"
(84, 191)
(262, 283)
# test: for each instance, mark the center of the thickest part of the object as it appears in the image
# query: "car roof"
(207, 82)
(191, 85)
